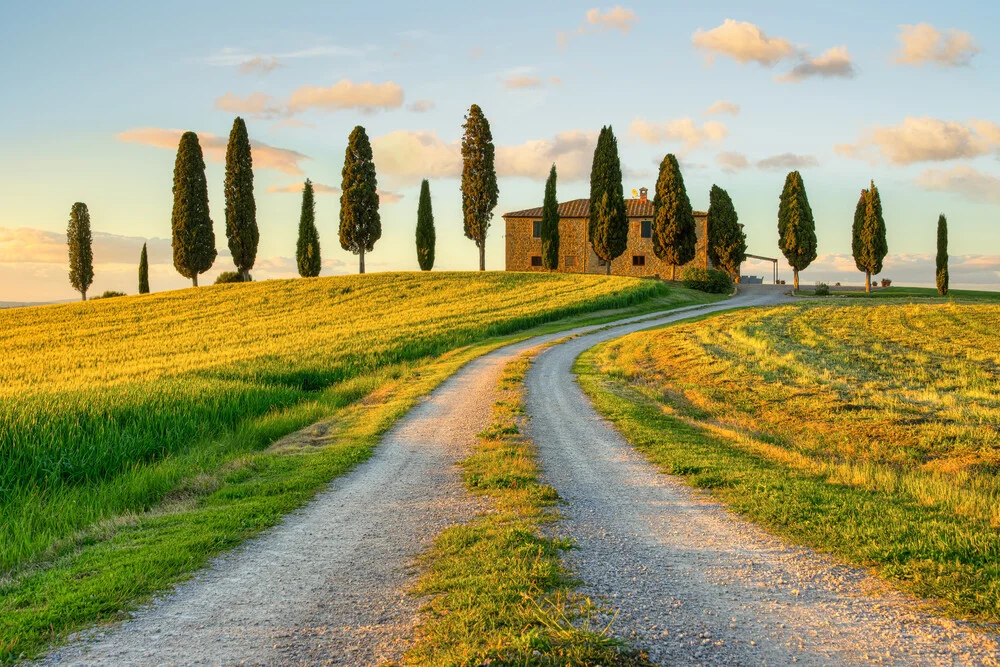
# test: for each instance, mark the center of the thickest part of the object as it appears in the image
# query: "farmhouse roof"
(580, 208)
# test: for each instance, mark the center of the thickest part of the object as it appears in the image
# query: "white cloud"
(260, 65)
(421, 106)
(522, 81)
(743, 42)
(723, 107)
(732, 162)
(616, 18)
(256, 105)
(572, 152)
(214, 148)
(963, 180)
(924, 140)
(787, 162)
(232, 57)
(384, 196)
(682, 130)
(366, 97)
(835, 62)
(410, 157)
(923, 44)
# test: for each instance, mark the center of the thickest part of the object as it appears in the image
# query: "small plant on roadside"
(712, 281)
(227, 277)
(822, 289)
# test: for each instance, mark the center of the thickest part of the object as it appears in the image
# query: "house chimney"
(642, 194)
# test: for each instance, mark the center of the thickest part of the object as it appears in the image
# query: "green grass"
(87, 548)
(500, 595)
(865, 431)
(918, 293)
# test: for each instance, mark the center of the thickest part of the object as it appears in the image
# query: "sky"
(97, 94)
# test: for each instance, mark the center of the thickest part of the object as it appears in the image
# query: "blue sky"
(91, 90)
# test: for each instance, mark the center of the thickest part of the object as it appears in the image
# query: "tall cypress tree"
(727, 243)
(426, 237)
(193, 236)
(307, 255)
(81, 256)
(868, 244)
(941, 275)
(479, 179)
(550, 224)
(609, 226)
(360, 224)
(143, 271)
(796, 226)
(675, 238)
(241, 210)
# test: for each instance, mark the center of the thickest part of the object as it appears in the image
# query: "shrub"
(232, 277)
(109, 294)
(886, 282)
(708, 280)
(822, 289)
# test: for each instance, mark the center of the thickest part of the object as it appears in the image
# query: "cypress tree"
(941, 275)
(609, 226)
(425, 228)
(307, 255)
(479, 179)
(796, 227)
(241, 211)
(81, 256)
(675, 238)
(868, 244)
(193, 236)
(550, 224)
(727, 243)
(143, 271)
(360, 224)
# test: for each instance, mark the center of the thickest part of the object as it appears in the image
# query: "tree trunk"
(245, 274)
(795, 280)
(194, 279)
(607, 268)
(868, 281)
(362, 256)
(673, 272)
(84, 293)
(482, 256)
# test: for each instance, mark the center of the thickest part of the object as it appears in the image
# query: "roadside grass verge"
(114, 541)
(865, 431)
(918, 294)
(499, 593)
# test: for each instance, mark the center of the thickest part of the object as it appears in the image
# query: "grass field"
(867, 430)
(134, 432)
(918, 294)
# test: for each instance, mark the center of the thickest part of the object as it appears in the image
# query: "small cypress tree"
(941, 275)
(675, 238)
(425, 228)
(81, 256)
(241, 210)
(550, 224)
(727, 243)
(796, 226)
(479, 179)
(360, 224)
(193, 236)
(143, 271)
(868, 244)
(608, 226)
(307, 255)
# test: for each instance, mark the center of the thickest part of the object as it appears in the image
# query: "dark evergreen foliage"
(426, 237)
(550, 224)
(608, 216)
(360, 224)
(227, 277)
(727, 243)
(81, 256)
(941, 274)
(712, 281)
(479, 179)
(675, 237)
(143, 271)
(193, 236)
(307, 254)
(241, 210)
(796, 226)
(868, 244)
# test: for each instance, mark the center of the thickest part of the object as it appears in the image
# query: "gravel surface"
(694, 584)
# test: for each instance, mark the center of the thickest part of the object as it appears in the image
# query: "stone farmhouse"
(576, 255)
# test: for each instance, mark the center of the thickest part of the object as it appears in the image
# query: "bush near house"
(712, 281)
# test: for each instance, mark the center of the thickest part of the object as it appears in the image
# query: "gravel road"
(695, 584)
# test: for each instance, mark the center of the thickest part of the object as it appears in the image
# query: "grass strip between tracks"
(500, 594)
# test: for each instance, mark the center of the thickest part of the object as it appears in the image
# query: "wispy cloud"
(682, 130)
(260, 65)
(214, 148)
(743, 42)
(723, 107)
(384, 196)
(732, 162)
(421, 106)
(366, 97)
(923, 44)
(250, 62)
(962, 180)
(255, 105)
(835, 62)
(736, 162)
(924, 140)
(595, 21)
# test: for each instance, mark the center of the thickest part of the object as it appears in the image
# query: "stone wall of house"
(577, 256)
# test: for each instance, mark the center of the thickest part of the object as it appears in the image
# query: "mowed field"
(130, 427)
(872, 431)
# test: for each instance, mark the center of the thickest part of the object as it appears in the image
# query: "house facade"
(576, 254)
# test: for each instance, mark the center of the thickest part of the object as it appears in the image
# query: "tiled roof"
(580, 208)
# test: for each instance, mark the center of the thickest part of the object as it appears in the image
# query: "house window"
(536, 229)
(569, 261)
(536, 260)
(647, 229)
(638, 260)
